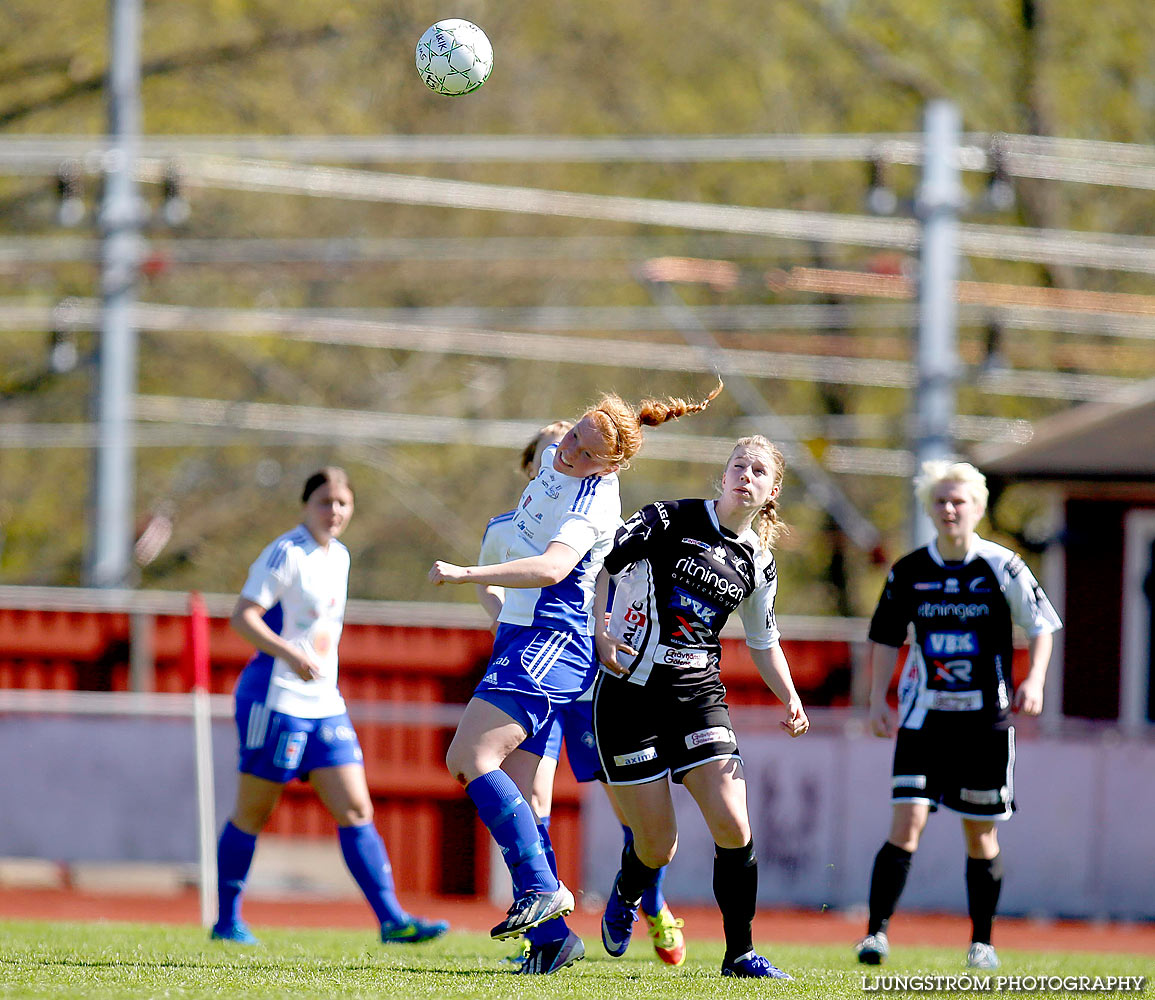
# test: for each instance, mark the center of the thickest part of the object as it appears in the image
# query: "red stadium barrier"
(416, 800)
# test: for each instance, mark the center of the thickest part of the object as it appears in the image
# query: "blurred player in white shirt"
(290, 715)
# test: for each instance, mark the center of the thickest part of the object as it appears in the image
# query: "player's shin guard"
(510, 819)
(556, 929)
(984, 883)
(887, 880)
(234, 858)
(368, 863)
(736, 890)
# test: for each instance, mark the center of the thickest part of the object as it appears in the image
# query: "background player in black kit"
(680, 568)
(955, 745)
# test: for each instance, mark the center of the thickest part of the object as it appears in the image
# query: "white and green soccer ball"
(454, 57)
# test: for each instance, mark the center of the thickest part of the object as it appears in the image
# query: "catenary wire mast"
(936, 346)
(110, 540)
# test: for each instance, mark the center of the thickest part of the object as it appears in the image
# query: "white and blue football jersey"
(303, 588)
(495, 541)
(581, 513)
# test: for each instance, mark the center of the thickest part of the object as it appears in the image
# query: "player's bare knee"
(456, 767)
(656, 852)
(360, 814)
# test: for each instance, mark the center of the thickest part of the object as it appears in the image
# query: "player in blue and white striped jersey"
(543, 653)
(552, 946)
(290, 715)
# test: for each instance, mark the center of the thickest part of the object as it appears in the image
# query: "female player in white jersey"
(543, 651)
(682, 567)
(552, 946)
(290, 715)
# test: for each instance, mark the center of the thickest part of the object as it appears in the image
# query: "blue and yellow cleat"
(237, 933)
(412, 930)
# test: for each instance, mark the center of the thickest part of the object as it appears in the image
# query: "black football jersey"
(959, 665)
(678, 576)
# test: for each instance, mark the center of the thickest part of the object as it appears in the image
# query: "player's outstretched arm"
(552, 566)
(775, 671)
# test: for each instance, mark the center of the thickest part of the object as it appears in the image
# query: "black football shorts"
(970, 771)
(644, 732)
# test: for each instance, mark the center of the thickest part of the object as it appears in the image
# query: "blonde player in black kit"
(955, 745)
(681, 568)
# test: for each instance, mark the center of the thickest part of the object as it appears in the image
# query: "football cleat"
(533, 908)
(873, 949)
(517, 959)
(237, 933)
(754, 966)
(547, 958)
(412, 930)
(618, 922)
(666, 933)
(982, 956)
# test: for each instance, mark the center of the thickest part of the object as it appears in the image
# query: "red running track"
(793, 926)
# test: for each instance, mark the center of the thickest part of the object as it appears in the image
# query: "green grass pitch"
(125, 961)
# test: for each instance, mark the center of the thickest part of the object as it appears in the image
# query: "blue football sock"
(556, 929)
(510, 819)
(234, 858)
(368, 862)
(652, 899)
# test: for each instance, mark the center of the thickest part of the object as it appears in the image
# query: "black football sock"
(736, 890)
(636, 877)
(891, 866)
(984, 883)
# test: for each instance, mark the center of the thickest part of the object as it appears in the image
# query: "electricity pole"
(111, 524)
(936, 355)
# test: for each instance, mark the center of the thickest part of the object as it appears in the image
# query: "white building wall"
(1081, 845)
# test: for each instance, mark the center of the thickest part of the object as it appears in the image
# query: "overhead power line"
(617, 353)
(819, 485)
(1042, 246)
(217, 422)
(1113, 164)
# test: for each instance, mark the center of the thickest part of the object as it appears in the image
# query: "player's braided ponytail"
(621, 424)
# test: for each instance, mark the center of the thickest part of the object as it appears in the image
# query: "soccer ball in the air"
(454, 57)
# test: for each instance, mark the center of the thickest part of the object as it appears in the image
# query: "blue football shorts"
(574, 722)
(534, 671)
(280, 747)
